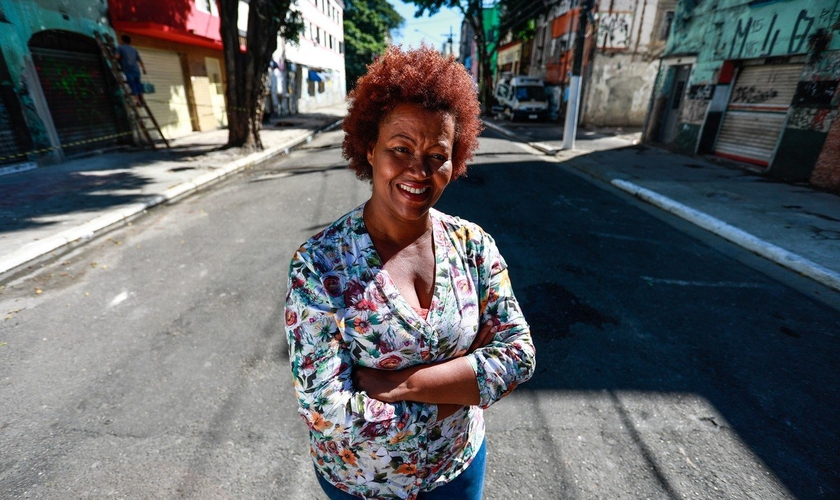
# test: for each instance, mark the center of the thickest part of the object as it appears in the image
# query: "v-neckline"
(391, 291)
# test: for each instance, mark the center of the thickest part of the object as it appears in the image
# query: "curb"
(13, 262)
(498, 129)
(767, 250)
(758, 246)
(539, 146)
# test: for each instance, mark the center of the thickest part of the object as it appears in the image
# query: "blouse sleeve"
(510, 358)
(321, 368)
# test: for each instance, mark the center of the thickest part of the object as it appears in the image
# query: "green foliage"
(517, 17)
(292, 26)
(525, 32)
(367, 28)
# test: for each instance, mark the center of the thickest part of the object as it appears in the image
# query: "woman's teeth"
(413, 190)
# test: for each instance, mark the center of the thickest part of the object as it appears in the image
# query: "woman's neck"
(394, 232)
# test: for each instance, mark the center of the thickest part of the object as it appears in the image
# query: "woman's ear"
(371, 145)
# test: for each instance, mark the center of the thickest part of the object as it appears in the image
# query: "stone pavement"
(48, 211)
(791, 224)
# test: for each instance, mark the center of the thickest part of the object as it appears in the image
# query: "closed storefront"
(217, 92)
(756, 113)
(77, 90)
(13, 139)
(207, 92)
(9, 149)
(168, 103)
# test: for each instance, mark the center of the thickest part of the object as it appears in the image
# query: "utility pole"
(573, 105)
(448, 41)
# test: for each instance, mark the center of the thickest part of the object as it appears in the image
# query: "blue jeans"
(469, 485)
(134, 83)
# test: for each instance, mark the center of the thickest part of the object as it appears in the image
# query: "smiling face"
(412, 163)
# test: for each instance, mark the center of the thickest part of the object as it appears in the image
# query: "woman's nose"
(422, 165)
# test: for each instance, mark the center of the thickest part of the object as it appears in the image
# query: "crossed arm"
(449, 384)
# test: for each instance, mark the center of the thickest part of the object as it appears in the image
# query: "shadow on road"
(621, 301)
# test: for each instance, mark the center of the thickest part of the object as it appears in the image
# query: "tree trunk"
(246, 70)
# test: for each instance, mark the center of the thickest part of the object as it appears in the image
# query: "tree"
(246, 70)
(367, 25)
(473, 12)
(517, 18)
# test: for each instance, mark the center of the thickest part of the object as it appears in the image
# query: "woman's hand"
(391, 386)
(384, 385)
(484, 336)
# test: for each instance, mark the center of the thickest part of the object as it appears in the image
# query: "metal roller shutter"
(77, 94)
(755, 115)
(169, 101)
(10, 147)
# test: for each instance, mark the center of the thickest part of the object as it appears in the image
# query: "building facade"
(310, 74)
(622, 44)
(57, 97)
(181, 47)
(629, 37)
(552, 54)
(756, 82)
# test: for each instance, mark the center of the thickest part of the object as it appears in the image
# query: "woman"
(401, 320)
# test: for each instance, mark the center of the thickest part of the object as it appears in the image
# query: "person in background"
(131, 63)
(401, 320)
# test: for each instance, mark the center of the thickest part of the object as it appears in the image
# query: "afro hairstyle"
(415, 76)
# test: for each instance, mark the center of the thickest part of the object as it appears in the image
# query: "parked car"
(521, 98)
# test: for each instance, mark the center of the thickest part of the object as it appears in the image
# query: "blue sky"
(434, 30)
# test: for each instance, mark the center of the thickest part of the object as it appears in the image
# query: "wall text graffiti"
(783, 31)
(614, 30)
(748, 94)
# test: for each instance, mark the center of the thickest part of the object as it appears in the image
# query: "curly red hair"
(418, 76)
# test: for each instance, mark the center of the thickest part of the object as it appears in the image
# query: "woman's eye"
(400, 149)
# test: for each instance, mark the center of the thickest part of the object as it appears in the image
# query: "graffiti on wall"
(701, 92)
(757, 36)
(827, 68)
(819, 93)
(748, 94)
(694, 111)
(813, 119)
(614, 30)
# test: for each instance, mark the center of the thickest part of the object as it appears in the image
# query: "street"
(151, 362)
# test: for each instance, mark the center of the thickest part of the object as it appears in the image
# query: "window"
(665, 28)
(208, 6)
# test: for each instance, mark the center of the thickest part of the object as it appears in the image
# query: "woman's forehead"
(414, 115)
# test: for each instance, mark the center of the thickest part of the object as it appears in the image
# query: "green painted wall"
(21, 20)
(739, 29)
(490, 19)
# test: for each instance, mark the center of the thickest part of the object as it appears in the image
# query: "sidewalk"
(792, 225)
(50, 210)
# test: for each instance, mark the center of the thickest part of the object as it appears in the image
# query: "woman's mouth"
(413, 190)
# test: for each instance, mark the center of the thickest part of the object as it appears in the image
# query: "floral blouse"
(343, 310)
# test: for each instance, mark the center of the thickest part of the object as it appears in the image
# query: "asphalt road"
(151, 362)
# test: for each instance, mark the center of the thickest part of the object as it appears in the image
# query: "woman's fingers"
(485, 336)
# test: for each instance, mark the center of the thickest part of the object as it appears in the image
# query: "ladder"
(142, 121)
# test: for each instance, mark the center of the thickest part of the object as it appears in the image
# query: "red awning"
(154, 30)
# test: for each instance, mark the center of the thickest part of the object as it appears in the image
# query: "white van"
(521, 97)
